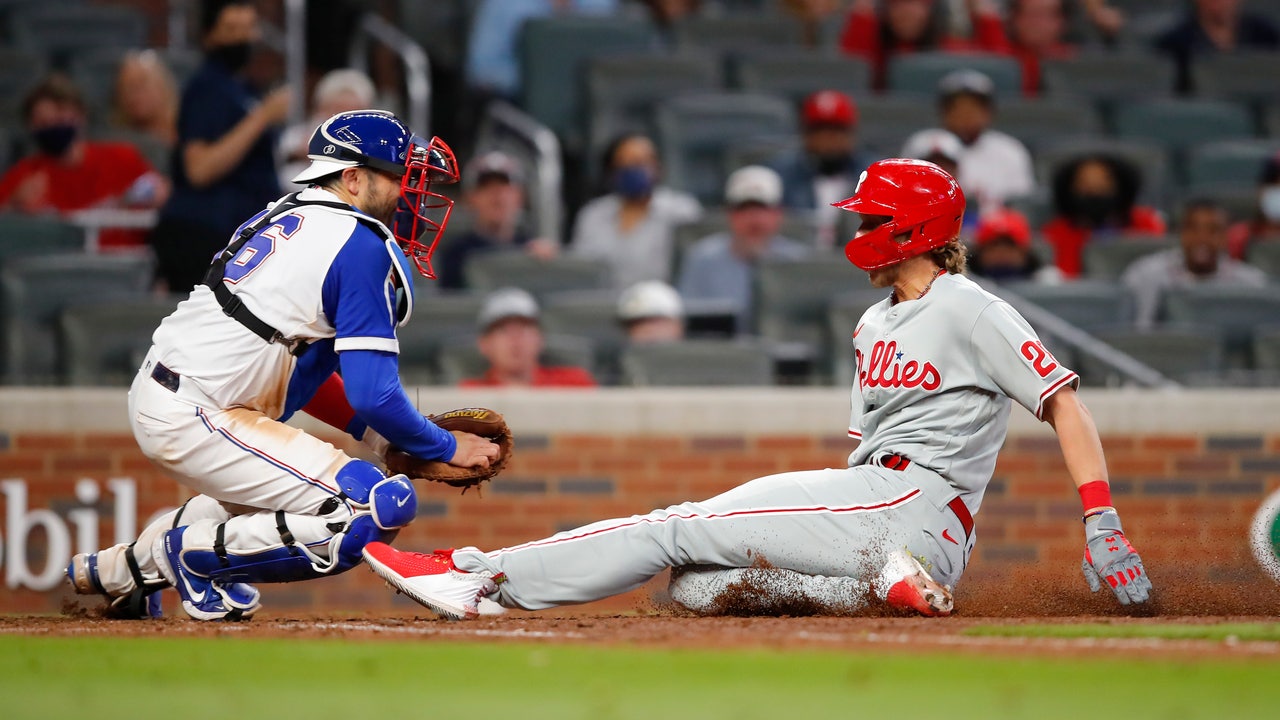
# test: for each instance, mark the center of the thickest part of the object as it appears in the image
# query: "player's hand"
(472, 450)
(275, 106)
(1108, 555)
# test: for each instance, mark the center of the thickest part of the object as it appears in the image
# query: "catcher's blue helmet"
(378, 140)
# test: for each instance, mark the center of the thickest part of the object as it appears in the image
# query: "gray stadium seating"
(1266, 351)
(1036, 122)
(1179, 124)
(1103, 78)
(436, 322)
(1108, 260)
(843, 312)
(885, 122)
(592, 314)
(738, 32)
(23, 235)
(1183, 354)
(1087, 304)
(489, 271)
(919, 73)
(1242, 76)
(1229, 162)
(698, 363)
(1233, 310)
(1266, 255)
(695, 131)
(35, 290)
(100, 342)
(60, 30)
(797, 74)
(792, 299)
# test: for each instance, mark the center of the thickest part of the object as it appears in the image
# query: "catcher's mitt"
(477, 421)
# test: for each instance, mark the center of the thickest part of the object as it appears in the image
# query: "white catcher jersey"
(316, 273)
(934, 378)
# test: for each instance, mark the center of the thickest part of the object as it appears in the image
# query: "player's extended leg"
(765, 591)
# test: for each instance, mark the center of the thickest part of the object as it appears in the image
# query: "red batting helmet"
(919, 198)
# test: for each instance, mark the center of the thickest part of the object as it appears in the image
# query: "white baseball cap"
(927, 143)
(649, 299)
(507, 303)
(753, 184)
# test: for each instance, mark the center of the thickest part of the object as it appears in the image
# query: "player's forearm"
(1078, 437)
(208, 162)
(374, 391)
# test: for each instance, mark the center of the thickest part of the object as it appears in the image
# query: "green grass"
(1244, 632)
(233, 678)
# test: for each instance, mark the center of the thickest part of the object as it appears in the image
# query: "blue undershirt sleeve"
(373, 388)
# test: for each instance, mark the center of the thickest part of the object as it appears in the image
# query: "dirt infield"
(667, 631)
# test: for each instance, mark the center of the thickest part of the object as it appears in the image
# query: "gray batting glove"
(1109, 555)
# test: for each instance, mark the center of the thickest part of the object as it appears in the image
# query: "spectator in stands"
(342, 90)
(651, 312)
(826, 167)
(906, 26)
(994, 166)
(146, 97)
(1265, 223)
(1215, 26)
(494, 185)
(1095, 200)
(631, 227)
(1200, 259)
(1038, 32)
(68, 173)
(1003, 251)
(511, 340)
(493, 58)
(224, 164)
(722, 266)
(813, 14)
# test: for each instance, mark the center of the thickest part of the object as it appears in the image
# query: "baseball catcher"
(939, 363)
(317, 282)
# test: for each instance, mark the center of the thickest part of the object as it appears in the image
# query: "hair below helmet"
(921, 201)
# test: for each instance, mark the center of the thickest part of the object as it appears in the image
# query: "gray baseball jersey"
(934, 379)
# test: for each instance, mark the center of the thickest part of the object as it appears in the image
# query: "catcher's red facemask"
(422, 214)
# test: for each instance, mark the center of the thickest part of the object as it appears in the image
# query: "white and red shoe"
(432, 580)
(906, 585)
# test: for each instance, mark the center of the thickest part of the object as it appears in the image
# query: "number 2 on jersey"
(260, 247)
(1042, 361)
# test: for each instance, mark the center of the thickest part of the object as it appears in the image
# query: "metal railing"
(417, 67)
(503, 123)
(1082, 342)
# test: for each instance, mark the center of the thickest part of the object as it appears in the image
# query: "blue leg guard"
(370, 508)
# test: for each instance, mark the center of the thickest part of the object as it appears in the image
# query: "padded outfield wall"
(1189, 468)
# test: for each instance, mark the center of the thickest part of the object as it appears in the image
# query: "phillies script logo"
(887, 370)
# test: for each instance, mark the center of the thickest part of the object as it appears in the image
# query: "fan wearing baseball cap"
(721, 267)
(511, 340)
(1003, 252)
(651, 312)
(826, 167)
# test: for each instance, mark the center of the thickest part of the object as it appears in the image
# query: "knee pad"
(392, 501)
(362, 531)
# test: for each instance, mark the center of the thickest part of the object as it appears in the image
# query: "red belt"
(898, 462)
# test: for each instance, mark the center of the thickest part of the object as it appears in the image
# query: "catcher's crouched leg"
(267, 547)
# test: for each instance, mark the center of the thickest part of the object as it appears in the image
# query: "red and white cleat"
(908, 586)
(432, 580)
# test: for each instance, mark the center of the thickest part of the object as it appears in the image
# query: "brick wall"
(1186, 500)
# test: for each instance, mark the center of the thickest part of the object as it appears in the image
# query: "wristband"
(1095, 495)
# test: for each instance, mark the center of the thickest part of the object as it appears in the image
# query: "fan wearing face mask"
(67, 172)
(1095, 200)
(1265, 223)
(631, 227)
(224, 163)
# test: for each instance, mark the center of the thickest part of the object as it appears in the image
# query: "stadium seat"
(885, 122)
(738, 32)
(1087, 304)
(1180, 124)
(1108, 260)
(797, 74)
(1229, 162)
(442, 320)
(22, 235)
(695, 131)
(591, 314)
(1151, 159)
(792, 298)
(19, 70)
(553, 56)
(698, 363)
(1105, 77)
(1036, 122)
(461, 359)
(1187, 355)
(1241, 76)
(918, 73)
(1236, 311)
(94, 71)
(35, 290)
(1266, 255)
(796, 225)
(1239, 201)
(61, 30)
(99, 343)
(1266, 351)
(843, 312)
(487, 272)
